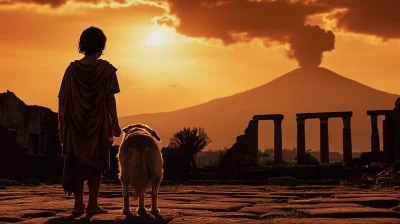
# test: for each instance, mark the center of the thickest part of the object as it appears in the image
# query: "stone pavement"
(213, 204)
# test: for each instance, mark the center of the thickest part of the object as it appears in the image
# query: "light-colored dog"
(140, 165)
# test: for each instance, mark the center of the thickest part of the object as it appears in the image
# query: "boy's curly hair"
(92, 41)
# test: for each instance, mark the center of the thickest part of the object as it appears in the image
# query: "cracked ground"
(212, 204)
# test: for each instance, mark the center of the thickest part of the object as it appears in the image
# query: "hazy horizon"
(195, 103)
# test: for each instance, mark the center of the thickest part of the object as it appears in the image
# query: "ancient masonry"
(34, 127)
(245, 151)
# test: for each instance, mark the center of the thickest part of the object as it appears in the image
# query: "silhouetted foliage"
(263, 153)
(189, 142)
(221, 154)
(310, 159)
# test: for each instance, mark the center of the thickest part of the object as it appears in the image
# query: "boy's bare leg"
(94, 188)
(79, 206)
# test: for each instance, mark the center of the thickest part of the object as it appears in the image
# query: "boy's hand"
(116, 130)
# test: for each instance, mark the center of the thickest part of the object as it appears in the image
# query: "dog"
(140, 165)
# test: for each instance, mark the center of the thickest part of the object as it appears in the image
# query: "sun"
(156, 38)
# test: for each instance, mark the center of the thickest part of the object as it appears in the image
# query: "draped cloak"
(87, 129)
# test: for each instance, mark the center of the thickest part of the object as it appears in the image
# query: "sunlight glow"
(156, 38)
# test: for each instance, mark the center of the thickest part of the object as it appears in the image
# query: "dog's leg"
(125, 192)
(141, 208)
(154, 196)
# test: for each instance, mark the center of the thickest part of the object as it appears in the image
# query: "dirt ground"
(212, 204)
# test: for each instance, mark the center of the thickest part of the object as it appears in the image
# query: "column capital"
(277, 121)
(346, 122)
(300, 120)
(323, 120)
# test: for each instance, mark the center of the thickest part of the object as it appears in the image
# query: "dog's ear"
(152, 132)
(127, 128)
(149, 129)
(155, 135)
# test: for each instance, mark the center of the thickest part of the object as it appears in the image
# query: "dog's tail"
(138, 173)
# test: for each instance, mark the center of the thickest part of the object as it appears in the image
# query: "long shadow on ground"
(143, 219)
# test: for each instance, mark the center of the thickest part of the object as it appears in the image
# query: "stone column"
(396, 127)
(386, 156)
(301, 142)
(278, 157)
(388, 140)
(252, 141)
(347, 144)
(324, 140)
(375, 146)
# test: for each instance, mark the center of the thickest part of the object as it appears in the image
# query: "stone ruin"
(34, 128)
(244, 153)
(324, 135)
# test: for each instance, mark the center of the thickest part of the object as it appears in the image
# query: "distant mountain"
(299, 91)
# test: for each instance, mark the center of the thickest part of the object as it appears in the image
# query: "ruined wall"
(244, 152)
(34, 127)
(12, 112)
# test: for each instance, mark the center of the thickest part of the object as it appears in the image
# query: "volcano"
(302, 90)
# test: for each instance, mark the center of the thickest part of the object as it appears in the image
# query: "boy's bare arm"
(61, 112)
(112, 110)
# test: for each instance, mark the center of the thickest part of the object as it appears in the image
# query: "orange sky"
(38, 42)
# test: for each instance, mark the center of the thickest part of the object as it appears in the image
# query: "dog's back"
(140, 161)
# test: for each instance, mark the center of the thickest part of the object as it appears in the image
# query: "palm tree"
(190, 142)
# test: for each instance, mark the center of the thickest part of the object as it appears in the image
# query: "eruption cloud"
(308, 43)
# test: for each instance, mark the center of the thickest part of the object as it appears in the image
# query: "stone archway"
(387, 132)
(324, 135)
(277, 118)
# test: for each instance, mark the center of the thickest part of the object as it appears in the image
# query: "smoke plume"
(308, 43)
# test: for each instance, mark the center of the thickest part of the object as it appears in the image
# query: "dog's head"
(133, 127)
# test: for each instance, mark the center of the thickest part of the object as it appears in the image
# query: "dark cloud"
(374, 17)
(225, 20)
(52, 3)
(236, 20)
(307, 44)
(275, 19)
(56, 3)
(241, 20)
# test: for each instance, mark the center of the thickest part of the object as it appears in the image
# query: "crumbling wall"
(243, 153)
(35, 128)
